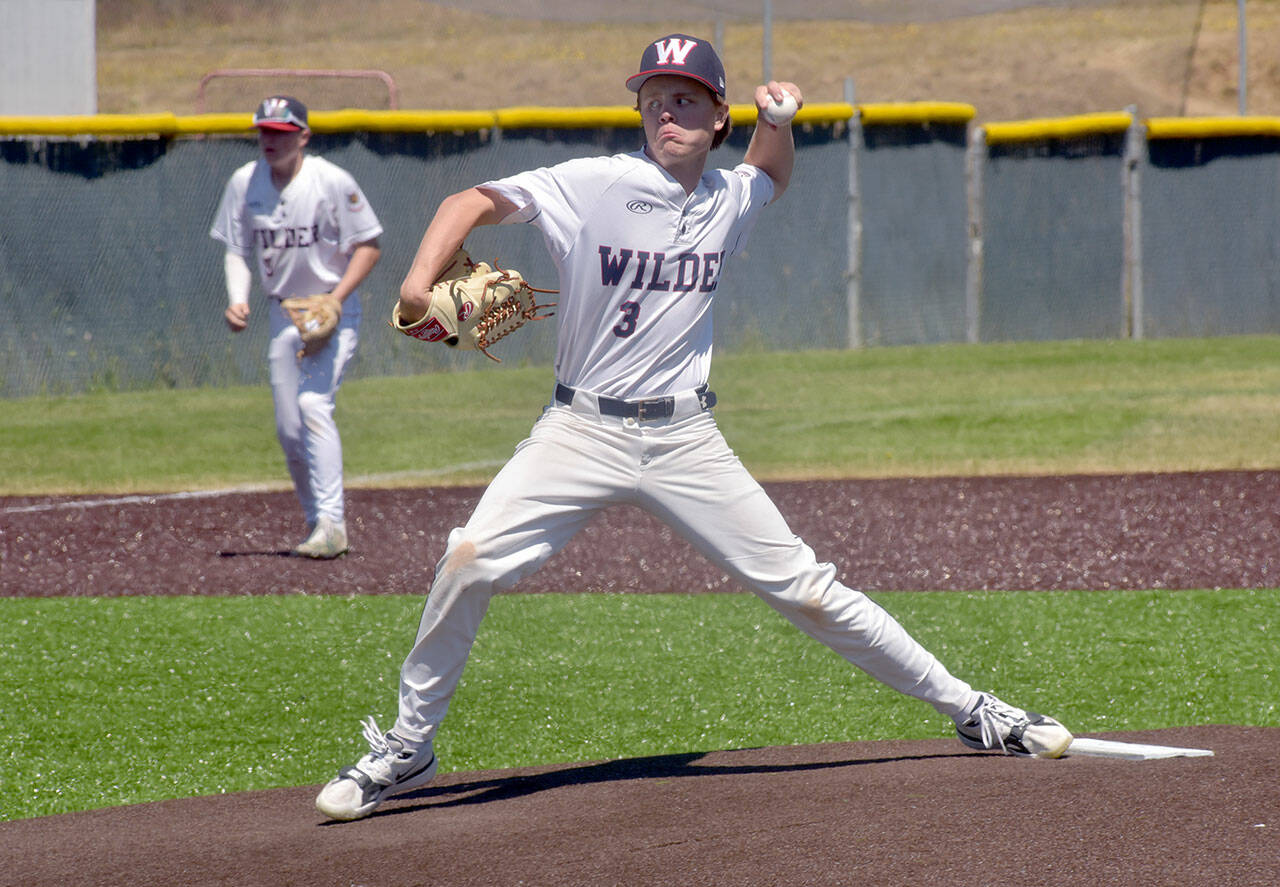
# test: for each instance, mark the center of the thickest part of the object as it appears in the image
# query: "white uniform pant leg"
(285, 376)
(304, 391)
(556, 481)
(697, 485)
(321, 378)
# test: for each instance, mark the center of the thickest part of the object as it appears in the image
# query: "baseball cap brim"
(635, 81)
(279, 126)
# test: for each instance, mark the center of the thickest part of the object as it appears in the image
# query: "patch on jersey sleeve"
(353, 201)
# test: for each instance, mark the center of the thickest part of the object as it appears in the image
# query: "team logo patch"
(675, 51)
(353, 201)
(640, 207)
(275, 108)
(432, 331)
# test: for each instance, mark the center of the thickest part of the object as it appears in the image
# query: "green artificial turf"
(121, 700)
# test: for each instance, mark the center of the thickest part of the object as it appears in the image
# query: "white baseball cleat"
(327, 540)
(390, 767)
(995, 725)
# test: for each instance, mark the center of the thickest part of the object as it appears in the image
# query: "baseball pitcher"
(641, 240)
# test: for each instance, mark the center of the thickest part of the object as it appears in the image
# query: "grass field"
(122, 700)
(1031, 408)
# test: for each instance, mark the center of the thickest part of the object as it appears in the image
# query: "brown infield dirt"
(901, 813)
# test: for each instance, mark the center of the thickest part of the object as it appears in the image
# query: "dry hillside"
(1167, 57)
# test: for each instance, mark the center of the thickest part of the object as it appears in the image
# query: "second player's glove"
(474, 305)
(316, 317)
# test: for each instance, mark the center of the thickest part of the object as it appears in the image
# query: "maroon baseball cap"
(281, 112)
(683, 56)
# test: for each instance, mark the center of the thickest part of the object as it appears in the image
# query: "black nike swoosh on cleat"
(421, 769)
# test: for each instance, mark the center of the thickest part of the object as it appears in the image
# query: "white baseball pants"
(304, 391)
(576, 462)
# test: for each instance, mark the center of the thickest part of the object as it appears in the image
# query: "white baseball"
(781, 112)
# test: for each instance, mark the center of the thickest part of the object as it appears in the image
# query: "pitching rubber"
(1131, 751)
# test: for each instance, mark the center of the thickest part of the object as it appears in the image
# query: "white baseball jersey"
(304, 235)
(639, 263)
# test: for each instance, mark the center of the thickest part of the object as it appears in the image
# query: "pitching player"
(640, 240)
(312, 231)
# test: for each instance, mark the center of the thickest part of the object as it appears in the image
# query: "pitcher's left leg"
(704, 492)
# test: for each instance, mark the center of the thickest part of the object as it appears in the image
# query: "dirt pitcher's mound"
(855, 814)
(1181, 530)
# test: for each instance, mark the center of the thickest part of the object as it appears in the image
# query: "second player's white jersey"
(304, 235)
(639, 262)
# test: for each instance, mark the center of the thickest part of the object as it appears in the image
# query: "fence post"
(975, 161)
(1135, 142)
(853, 246)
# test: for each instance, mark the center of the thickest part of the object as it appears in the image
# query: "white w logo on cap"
(674, 51)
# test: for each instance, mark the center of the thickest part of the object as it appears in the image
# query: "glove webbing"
(508, 316)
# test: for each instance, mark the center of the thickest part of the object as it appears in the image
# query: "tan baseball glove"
(474, 305)
(316, 317)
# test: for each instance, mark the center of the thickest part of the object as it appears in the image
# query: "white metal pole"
(853, 244)
(1135, 147)
(975, 162)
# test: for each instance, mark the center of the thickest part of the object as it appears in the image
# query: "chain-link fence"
(111, 280)
(892, 232)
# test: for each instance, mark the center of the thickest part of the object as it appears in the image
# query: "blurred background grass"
(1025, 408)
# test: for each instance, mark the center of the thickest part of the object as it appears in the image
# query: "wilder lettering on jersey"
(287, 238)
(653, 272)
(303, 235)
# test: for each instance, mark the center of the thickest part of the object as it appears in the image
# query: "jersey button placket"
(681, 234)
(684, 222)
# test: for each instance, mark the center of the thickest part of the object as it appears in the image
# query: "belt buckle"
(654, 408)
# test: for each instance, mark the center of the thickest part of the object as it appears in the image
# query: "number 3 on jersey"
(627, 326)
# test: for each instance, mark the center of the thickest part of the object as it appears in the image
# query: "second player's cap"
(683, 56)
(281, 112)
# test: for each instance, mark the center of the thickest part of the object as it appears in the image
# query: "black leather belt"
(652, 408)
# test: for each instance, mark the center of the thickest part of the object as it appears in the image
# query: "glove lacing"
(507, 316)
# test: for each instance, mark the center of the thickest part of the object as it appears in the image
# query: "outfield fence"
(904, 224)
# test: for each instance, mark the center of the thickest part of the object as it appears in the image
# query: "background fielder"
(640, 240)
(312, 231)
